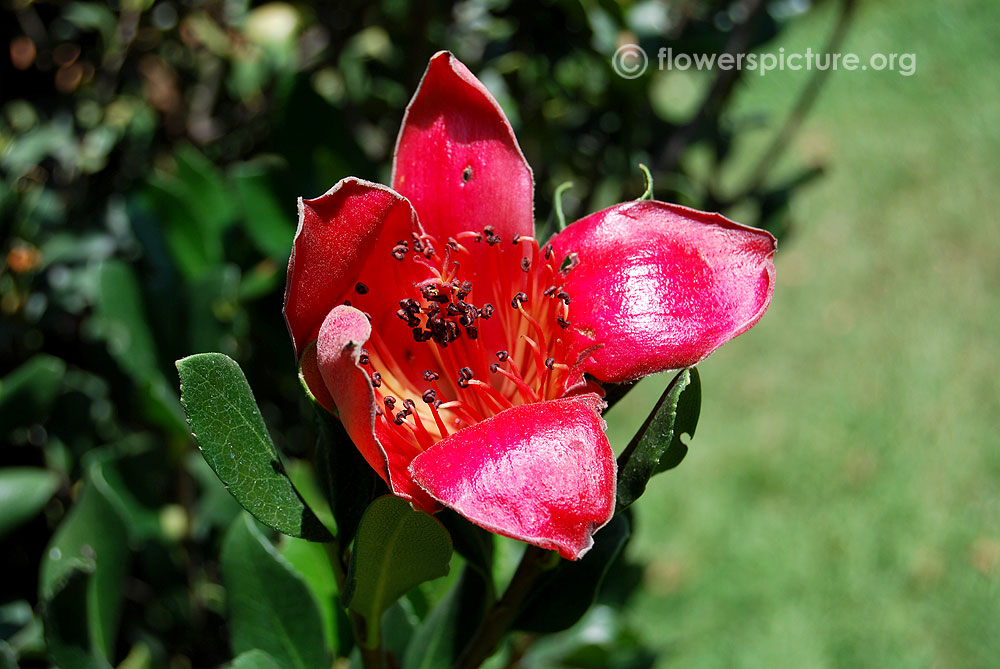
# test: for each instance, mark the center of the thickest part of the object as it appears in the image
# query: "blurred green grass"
(839, 506)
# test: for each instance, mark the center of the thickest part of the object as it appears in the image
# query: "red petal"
(542, 473)
(661, 286)
(457, 159)
(338, 349)
(339, 232)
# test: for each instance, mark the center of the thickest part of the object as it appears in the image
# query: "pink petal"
(542, 473)
(338, 349)
(338, 234)
(457, 159)
(661, 286)
(341, 337)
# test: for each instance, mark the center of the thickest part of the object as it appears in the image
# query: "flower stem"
(498, 619)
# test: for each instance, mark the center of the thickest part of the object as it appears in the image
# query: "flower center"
(476, 333)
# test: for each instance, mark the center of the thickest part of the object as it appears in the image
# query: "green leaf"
(121, 321)
(225, 421)
(68, 635)
(564, 594)
(657, 445)
(348, 481)
(441, 637)
(23, 493)
(310, 561)
(686, 421)
(396, 549)
(268, 224)
(472, 542)
(86, 563)
(270, 605)
(27, 393)
(255, 659)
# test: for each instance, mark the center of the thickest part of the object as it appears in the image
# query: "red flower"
(454, 345)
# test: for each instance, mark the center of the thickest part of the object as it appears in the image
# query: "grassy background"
(839, 506)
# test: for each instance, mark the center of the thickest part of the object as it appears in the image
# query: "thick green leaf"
(348, 481)
(255, 659)
(87, 554)
(270, 606)
(441, 637)
(564, 594)
(27, 393)
(396, 549)
(225, 421)
(23, 493)
(658, 440)
(310, 560)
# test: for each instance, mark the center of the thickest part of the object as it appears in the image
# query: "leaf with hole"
(657, 445)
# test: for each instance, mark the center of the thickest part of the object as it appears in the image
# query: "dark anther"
(378, 412)
(569, 262)
(409, 404)
(453, 309)
(550, 291)
(431, 376)
(471, 332)
(525, 264)
(465, 373)
(488, 230)
(390, 402)
(486, 311)
(347, 303)
(502, 356)
(466, 319)
(494, 367)
(517, 239)
(548, 251)
(429, 397)
(550, 362)
(478, 238)
(563, 323)
(400, 418)
(564, 296)
(360, 288)
(462, 383)
(421, 335)
(437, 404)
(466, 174)
(411, 320)
(399, 251)
(363, 358)
(464, 290)
(519, 299)
(376, 380)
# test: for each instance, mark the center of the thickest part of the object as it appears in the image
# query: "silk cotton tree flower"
(464, 356)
